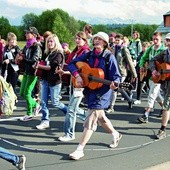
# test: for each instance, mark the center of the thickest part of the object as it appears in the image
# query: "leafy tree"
(29, 20)
(5, 27)
(59, 22)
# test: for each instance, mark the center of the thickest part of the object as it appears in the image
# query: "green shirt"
(150, 53)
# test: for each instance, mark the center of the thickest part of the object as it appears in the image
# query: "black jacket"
(55, 59)
(31, 55)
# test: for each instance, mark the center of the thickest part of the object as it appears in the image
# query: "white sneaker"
(43, 125)
(137, 102)
(116, 141)
(66, 138)
(122, 99)
(15, 108)
(76, 154)
(26, 118)
(109, 110)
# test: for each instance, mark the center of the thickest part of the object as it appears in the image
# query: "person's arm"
(145, 57)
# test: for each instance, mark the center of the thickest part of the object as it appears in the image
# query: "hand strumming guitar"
(79, 81)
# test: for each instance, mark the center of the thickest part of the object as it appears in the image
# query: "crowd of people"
(48, 65)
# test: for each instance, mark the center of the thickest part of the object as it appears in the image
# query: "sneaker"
(143, 119)
(76, 154)
(43, 125)
(161, 134)
(122, 99)
(66, 138)
(21, 164)
(37, 110)
(137, 102)
(109, 110)
(15, 108)
(26, 118)
(116, 141)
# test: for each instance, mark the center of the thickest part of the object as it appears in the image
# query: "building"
(164, 27)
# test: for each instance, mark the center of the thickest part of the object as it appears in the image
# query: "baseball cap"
(103, 36)
(32, 30)
(167, 36)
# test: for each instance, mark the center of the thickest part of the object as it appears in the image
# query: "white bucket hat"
(167, 36)
(103, 36)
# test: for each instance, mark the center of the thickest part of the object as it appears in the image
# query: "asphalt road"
(137, 149)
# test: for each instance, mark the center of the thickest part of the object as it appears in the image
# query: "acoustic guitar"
(19, 60)
(38, 72)
(164, 70)
(93, 78)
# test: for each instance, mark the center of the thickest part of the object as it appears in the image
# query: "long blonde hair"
(57, 46)
(11, 36)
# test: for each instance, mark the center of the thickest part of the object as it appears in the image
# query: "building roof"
(162, 29)
(168, 13)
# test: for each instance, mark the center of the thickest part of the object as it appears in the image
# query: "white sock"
(115, 134)
(80, 147)
(147, 114)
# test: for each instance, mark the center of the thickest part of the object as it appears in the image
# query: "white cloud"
(141, 11)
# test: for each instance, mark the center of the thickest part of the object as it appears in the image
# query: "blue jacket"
(99, 98)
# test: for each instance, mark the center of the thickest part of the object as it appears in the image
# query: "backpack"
(7, 97)
(132, 52)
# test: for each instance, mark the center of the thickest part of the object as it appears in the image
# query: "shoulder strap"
(89, 55)
(107, 57)
(137, 43)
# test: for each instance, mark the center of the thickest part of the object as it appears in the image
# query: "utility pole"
(132, 27)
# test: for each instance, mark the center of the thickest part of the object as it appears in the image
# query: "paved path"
(137, 149)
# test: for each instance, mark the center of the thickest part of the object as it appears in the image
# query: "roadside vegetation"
(66, 26)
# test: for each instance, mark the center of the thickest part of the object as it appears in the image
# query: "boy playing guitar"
(163, 57)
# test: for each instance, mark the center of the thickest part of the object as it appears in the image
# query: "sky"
(90, 11)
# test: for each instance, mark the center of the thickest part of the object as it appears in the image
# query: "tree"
(60, 23)
(5, 27)
(29, 20)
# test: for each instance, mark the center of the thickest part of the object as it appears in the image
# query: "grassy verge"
(21, 44)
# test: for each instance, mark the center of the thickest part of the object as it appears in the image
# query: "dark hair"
(82, 35)
(88, 28)
(112, 34)
(119, 36)
(157, 34)
(46, 34)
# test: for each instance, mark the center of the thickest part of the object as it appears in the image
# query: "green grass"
(21, 44)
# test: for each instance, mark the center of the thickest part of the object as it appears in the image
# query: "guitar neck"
(164, 71)
(124, 85)
(99, 80)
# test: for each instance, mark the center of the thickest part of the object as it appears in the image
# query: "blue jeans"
(72, 112)
(8, 156)
(54, 92)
